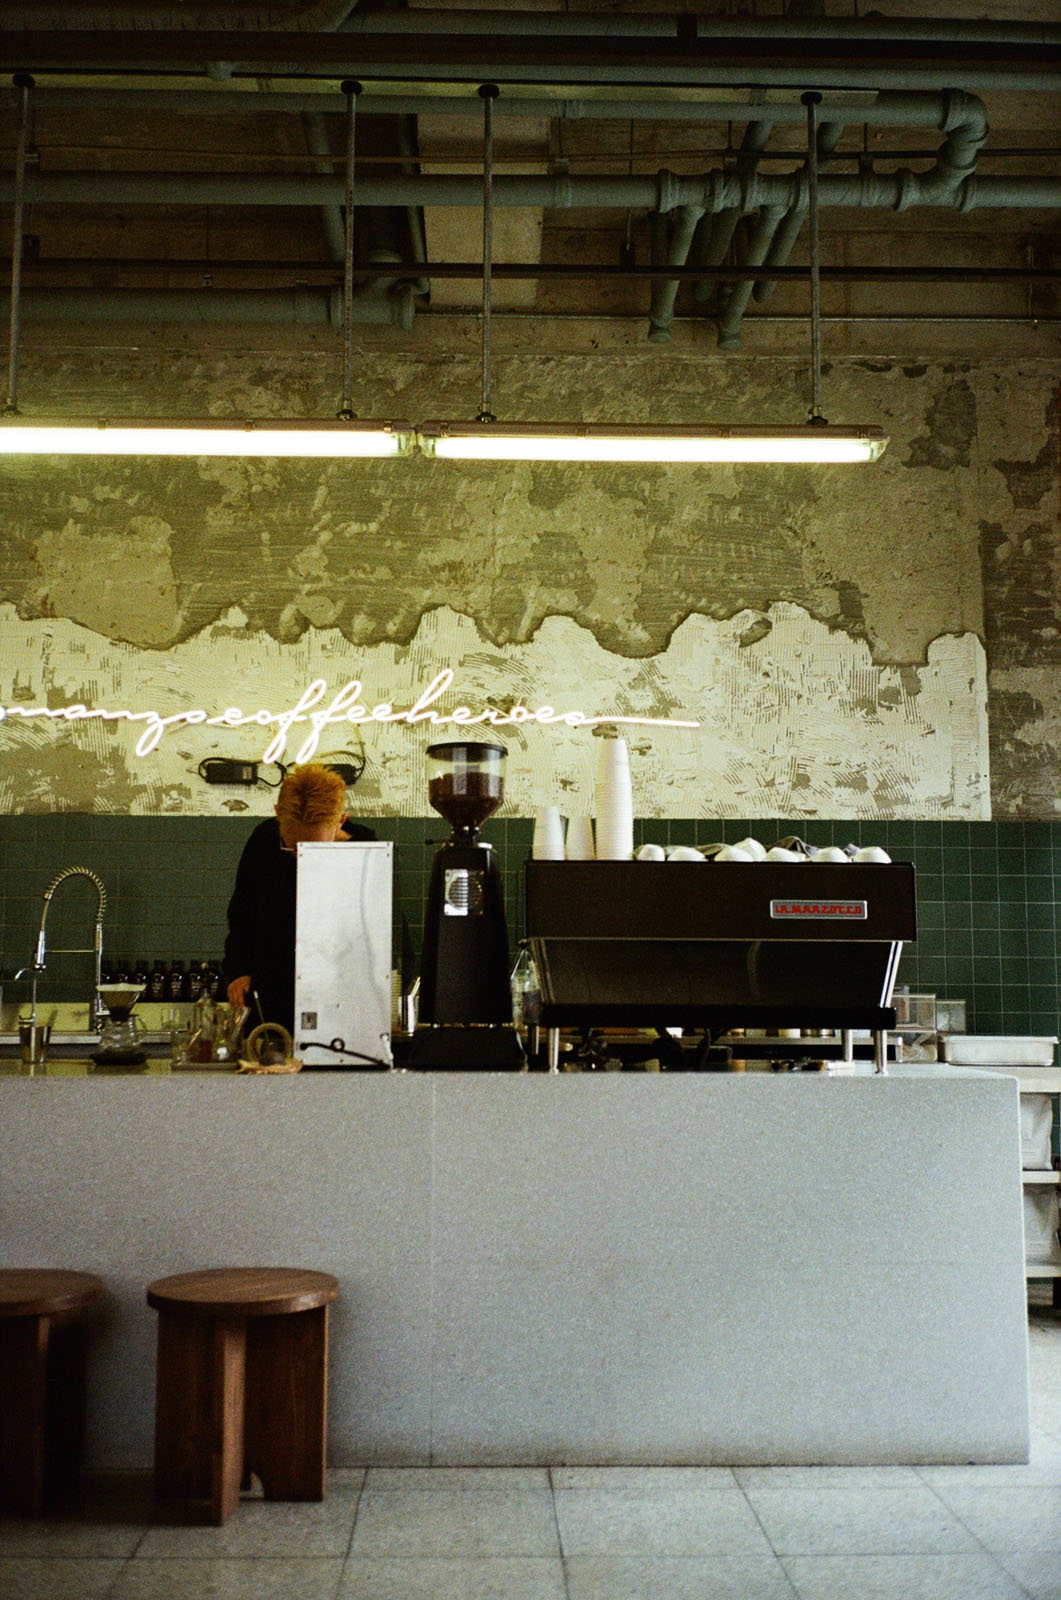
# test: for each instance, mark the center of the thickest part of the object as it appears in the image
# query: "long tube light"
(465, 441)
(535, 441)
(173, 437)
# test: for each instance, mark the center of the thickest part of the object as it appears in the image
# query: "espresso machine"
(465, 1017)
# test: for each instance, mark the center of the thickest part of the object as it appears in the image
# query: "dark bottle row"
(167, 980)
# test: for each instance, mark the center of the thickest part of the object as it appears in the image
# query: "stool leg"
(199, 1412)
(287, 1401)
(226, 1456)
(23, 1413)
(65, 1418)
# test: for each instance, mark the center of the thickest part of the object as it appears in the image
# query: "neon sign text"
(346, 706)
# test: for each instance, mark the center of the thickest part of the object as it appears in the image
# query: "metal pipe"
(665, 291)
(672, 25)
(351, 89)
(332, 15)
(811, 102)
(665, 191)
(25, 84)
(716, 242)
(318, 145)
(736, 298)
(791, 225)
(790, 57)
(488, 93)
(299, 307)
(251, 100)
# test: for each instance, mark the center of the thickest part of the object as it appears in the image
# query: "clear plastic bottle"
(526, 997)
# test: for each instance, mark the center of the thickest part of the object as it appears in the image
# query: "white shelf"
(1040, 1175)
(1042, 1269)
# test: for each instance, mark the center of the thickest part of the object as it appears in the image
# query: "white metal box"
(343, 954)
(999, 1050)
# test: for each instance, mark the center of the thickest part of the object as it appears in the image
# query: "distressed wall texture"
(857, 642)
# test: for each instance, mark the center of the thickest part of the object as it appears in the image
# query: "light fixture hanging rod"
(351, 89)
(24, 84)
(488, 93)
(811, 100)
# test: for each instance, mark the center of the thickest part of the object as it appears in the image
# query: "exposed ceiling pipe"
(775, 53)
(664, 291)
(734, 300)
(327, 15)
(330, 15)
(685, 25)
(318, 144)
(790, 226)
(693, 105)
(387, 301)
(665, 191)
(712, 244)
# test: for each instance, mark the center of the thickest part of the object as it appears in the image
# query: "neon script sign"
(345, 707)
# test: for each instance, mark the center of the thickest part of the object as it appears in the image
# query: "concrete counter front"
(535, 1269)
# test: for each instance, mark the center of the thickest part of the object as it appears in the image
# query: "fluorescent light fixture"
(538, 441)
(205, 437)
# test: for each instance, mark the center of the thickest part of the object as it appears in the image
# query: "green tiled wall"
(988, 894)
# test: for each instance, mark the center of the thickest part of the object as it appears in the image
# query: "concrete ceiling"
(185, 164)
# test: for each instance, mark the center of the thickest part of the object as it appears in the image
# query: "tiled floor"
(586, 1533)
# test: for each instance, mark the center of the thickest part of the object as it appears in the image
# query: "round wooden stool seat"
(42, 1382)
(45, 1291)
(243, 1291)
(241, 1385)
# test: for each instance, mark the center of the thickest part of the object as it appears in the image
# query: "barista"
(259, 969)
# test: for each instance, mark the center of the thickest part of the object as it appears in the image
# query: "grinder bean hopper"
(465, 1018)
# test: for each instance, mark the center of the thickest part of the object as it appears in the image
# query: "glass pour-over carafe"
(119, 1036)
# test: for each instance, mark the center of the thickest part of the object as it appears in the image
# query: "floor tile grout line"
(559, 1536)
(353, 1526)
(933, 1489)
(762, 1528)
(997, 1561)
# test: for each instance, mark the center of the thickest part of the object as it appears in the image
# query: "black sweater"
(261, 922)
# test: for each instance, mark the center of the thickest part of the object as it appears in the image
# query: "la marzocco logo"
(820, 910)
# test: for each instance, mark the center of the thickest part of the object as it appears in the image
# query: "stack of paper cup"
(580, 839)
(547, 843)
(615, 802)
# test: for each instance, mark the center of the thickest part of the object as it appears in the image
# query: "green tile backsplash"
(988, 894)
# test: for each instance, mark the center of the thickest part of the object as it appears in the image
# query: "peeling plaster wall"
(863, 642)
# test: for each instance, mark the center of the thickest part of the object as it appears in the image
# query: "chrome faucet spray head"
(96, 1010)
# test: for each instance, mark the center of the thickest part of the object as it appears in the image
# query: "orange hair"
(311, 795)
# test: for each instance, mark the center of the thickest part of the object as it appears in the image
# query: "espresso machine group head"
(465, 1018)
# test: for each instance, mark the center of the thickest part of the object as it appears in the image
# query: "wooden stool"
(42, 1382)
(242, 1385)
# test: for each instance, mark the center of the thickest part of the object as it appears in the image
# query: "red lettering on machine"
(820, 910)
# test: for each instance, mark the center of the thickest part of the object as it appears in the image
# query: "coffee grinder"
(465, 1017)
(118, 1040)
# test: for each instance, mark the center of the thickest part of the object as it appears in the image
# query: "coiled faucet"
(96, 1011)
